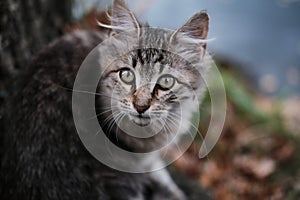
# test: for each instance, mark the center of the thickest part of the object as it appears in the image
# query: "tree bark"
(25, 27)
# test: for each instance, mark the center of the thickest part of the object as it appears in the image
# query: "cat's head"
(157, 83)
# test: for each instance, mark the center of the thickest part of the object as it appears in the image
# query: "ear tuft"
(197, 26)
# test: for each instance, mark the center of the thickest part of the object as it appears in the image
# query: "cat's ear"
(197, 26)
(122, 18)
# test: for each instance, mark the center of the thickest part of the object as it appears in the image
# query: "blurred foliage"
(256, 156)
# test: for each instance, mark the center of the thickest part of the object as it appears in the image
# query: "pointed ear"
(122, 18)
(197, 26)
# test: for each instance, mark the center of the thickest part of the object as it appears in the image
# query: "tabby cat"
(43, 156)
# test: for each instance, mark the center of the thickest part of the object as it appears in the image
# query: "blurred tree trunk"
(25, 27)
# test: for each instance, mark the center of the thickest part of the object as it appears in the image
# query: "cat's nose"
(141, 99)
(141, 109)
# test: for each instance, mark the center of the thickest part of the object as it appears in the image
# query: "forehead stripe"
(134, 61)
(140, 56)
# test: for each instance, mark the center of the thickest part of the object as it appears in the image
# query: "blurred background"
(256, 45)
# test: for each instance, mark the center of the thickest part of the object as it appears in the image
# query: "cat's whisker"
(190, 123)
(110, 117)
(164, 131)
(190, 133)
(99, 114)
(173, 138)
(102, 107)
(173, 122)
(107, 141)
(98, 132)
(119, 120)
(108, 132)
(106, 95)
(117, 138)
(168, 132)
(108, 120)
(114, 121)
(89, 92)
(111, 125)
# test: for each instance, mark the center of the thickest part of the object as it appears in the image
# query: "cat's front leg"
(166, 188)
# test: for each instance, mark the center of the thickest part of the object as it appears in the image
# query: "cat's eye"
(166, 82)
(127, 76)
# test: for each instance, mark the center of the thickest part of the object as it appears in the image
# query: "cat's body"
(37, 122)
(43, 156)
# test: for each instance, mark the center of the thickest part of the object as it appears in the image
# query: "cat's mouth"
(140, 119)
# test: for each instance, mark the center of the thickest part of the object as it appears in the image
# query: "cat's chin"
(141, 121)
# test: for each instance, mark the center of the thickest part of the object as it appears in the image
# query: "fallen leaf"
(259, 168)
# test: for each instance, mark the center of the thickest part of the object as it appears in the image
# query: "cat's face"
(150, 86)
(157, 82)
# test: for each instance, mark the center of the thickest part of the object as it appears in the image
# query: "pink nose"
(141, 109)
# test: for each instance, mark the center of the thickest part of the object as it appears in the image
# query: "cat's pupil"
(166, 80)
(127, 74)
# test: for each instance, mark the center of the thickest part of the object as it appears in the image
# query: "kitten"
(44, 157)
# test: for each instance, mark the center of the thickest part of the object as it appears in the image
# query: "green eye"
(127, 76)
(166, 82)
